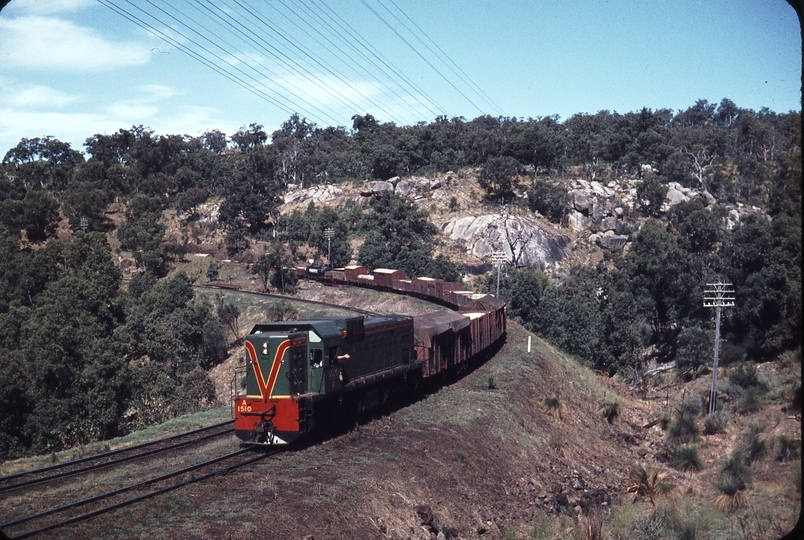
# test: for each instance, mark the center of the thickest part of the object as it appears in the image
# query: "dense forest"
(83, 357)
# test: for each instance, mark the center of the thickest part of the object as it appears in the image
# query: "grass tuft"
(683, 430)
(730, 496)
(647, 482)
(736, 469)
(552, 406)
(751, 401)
(716, 422)
(685, 457)
(754, 445)
(609, 410)
(786, 448)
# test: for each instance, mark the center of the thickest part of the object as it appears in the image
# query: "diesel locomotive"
(302, 375)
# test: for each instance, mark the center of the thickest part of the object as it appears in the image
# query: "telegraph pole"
(329, 233)
(498, 258)
(717, 295)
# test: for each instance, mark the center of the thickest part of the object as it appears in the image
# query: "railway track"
(110, 501)
(37, 496)
(288, 298)
(114, 457)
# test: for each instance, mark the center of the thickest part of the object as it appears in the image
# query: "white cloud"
(47, 7)
(155, 92)
(32, 43)
(74, 128)
(36, 95)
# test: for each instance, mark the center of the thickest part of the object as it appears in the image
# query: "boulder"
(710, 200)
(612, 240)
(609, 224)
(600, 190)
(581, 201)
(521, 239)
(674, 197)
(577, 221)
(376, 187)
(402, 188)
(317, 194)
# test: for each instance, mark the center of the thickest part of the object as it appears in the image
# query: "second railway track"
(86, 487)
(87, 508)
(110, 458)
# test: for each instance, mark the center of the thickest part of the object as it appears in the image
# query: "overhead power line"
(418, 94)
(419, 54)
(268, 49)
(170, 40)
(450, 63)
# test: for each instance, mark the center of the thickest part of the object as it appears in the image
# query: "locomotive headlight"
(265, 347)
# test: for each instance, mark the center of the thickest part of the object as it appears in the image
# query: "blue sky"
(74, 68)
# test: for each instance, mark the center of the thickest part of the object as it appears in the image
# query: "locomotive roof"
(328, 329)
(435, 323)
(331, 329)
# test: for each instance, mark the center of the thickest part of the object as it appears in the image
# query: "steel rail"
(125, 459)
(111, 452)
(137, 499)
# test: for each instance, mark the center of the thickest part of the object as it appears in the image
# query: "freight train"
(301, 376)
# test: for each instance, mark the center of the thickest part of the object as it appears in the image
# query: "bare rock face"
(523, 241)
(318, 194)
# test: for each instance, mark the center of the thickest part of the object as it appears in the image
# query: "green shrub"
(716, 422)
(786, 448)
(649, 527)
(736, 470)
(688, 405)
(550, 200)
(754, 446)
(751, 401)
(281, 311)
(541, 526)
(683, 430)
(685, 457)
(745, 375)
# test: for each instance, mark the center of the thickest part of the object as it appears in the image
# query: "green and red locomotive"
(301, 373)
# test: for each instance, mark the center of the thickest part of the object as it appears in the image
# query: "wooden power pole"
(498, 258)
(717, 295)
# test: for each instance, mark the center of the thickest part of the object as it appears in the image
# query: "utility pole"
(329, 233)
(717, 295)
(498, 258)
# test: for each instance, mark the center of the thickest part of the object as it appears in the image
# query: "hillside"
(611, 226)
(518, 448)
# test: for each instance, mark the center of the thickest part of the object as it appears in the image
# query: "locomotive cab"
(289, 366)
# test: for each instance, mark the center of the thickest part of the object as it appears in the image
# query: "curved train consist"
(303, 375)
